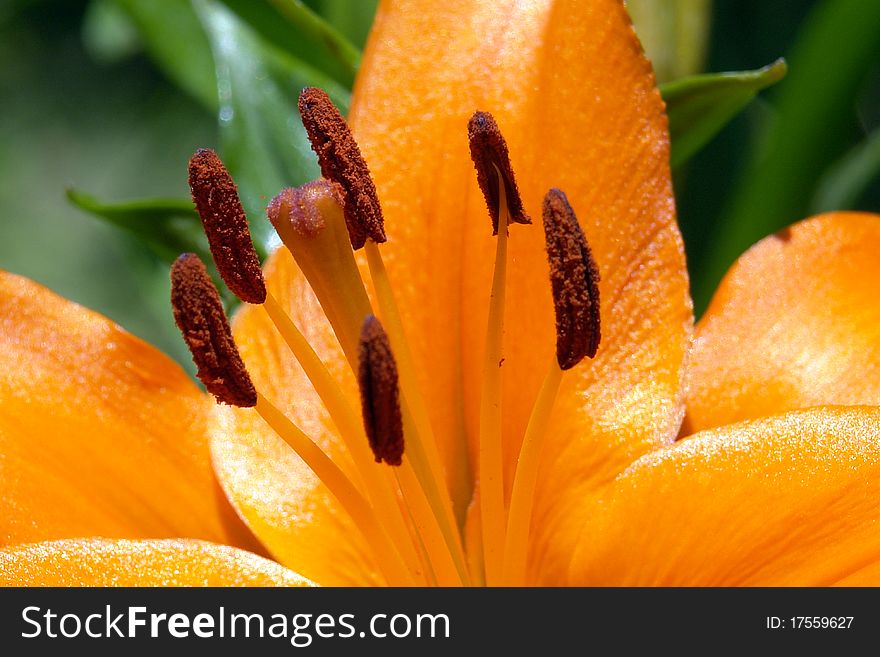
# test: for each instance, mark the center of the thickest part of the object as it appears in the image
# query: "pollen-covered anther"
(490, 156)
(574, 279)
(380, 398)
(199, 314)
(226, 225)
(341, 161)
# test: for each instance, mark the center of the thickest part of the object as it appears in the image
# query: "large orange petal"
(274, 491)
(576, 100)
(795, 323)
(100, 434)
(784, 501)
(103, 562)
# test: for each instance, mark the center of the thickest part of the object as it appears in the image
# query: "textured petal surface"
(784, 501)
(100, 434)
(274, 491)
(795, 323)
(575, 98)
(102, 562)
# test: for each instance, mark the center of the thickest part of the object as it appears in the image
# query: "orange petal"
(795, 323)
(575, 97)
(784, 501)
(102, 562)
(100, 434)
(277, 495)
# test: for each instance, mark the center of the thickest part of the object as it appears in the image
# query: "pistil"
(310, 223)
(497, 182)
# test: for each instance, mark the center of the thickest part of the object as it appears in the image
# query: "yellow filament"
(523, 493)
(421, 446)
(491, 460)
(390, 560)
(416, 536)
(377, 485)
(443, 565)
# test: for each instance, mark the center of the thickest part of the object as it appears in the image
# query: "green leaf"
(841, 187)
(109, 33)
(701, 105)
(263, 143)
(813, 125)
(168, 226)
(175, 40)
(674, 34)
(353, 19)
(292, 27)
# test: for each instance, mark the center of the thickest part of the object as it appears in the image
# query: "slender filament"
(491, 460)
(442, 562)
(523, 493)
(377, 486)
(389, 558)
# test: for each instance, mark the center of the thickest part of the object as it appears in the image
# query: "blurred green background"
(111, 97)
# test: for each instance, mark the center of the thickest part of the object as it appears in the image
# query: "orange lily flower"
(772, 480)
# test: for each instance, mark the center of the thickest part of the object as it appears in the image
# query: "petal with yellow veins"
(100, 434)
(789, 500)
(795, 323)
(105, 562)
(576, 100)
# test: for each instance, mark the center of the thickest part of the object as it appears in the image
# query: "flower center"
(402, 507)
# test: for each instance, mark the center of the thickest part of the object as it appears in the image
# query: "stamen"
(422, 446)
(491, 159)
(380, 404)
(574, 279)
(341, 161)
(523, 493)
(226, 226)
(199, 314)
(498, 184)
